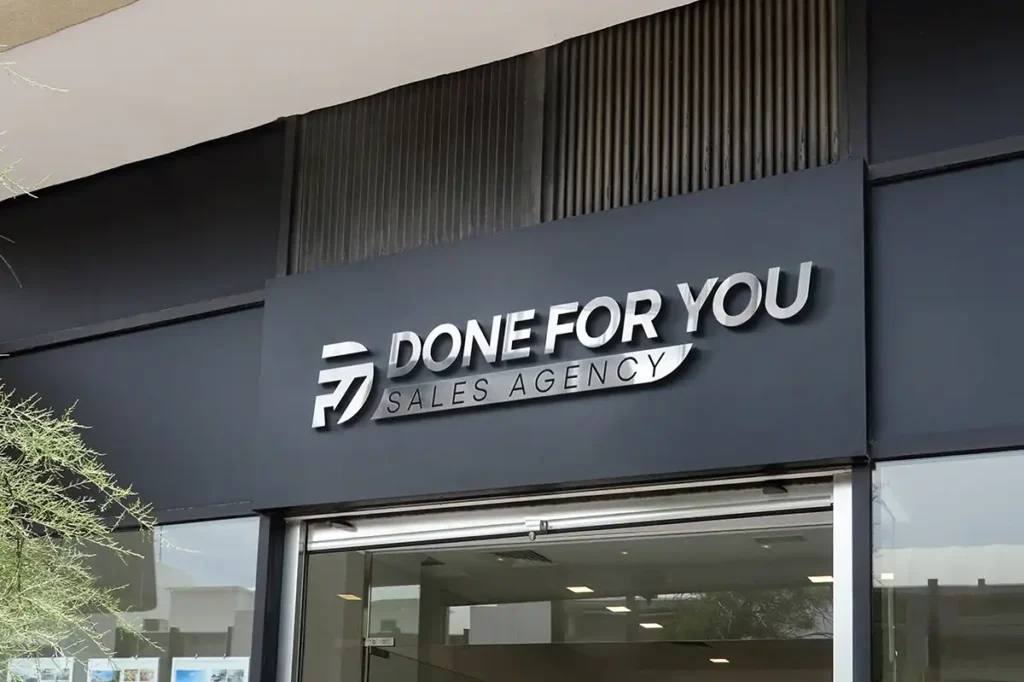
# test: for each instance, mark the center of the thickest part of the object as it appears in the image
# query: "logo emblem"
(345, 377)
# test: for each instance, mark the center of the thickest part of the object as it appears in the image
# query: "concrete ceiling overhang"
(22, 21)
(159, 75)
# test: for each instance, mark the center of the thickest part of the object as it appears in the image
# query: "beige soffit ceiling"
(22, 21)
(159, 75)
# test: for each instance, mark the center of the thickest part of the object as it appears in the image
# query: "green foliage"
(58, 508)
(789, 613)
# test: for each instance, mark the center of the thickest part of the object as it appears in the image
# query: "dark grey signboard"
(716, 332)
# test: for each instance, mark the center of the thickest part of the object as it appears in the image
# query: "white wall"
(160, 75)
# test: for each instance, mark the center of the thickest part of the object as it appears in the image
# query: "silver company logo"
(508, 337)
(344, 377)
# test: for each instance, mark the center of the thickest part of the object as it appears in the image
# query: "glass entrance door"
(746, 603)
(733, 586)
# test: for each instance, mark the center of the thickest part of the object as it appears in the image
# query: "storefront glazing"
(731, 579)
(949, 568)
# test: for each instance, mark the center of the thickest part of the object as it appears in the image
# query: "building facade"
(682, 350)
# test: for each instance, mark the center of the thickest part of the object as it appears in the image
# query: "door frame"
(665, 508)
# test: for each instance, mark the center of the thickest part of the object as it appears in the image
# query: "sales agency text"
(595, 324)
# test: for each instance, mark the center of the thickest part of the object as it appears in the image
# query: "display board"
(210, 669)
(40, 669)
(124, 669)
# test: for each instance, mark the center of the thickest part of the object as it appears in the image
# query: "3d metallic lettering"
(510, 337)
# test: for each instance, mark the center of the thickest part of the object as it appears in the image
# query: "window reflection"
(783, 613)
(949, 568)
(189, 592)
(647, 608)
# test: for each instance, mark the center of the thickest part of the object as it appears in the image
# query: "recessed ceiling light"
(820, 578)
(351, 597)
(651, 626)
(579, 589)
(618, 609)
(719, 660)
(888, 576)
(624, 552)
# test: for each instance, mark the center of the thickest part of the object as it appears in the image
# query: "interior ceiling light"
(618, 609)
(820, 578)
(719, 660)
(579, 589)
(888, 577)
(351, 597)
(651, 626)
(624, 552)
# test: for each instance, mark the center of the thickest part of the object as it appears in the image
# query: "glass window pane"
(759, 602)
(190, 592)
(949, 568)
(332, 632)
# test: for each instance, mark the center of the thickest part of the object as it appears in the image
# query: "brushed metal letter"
(803, 288)
(345, 377)
(615, 317)
(644, 320)
(693, 307)
(628, 358)
(547, 376)
(556, 328)
(475, 337)
(740, 278)
(446, 329)
(512, 335)
(397, 339)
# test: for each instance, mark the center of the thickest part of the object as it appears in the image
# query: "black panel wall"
(140, 301)
(944, 73)
(173, 409)
(945, 249)
(946, 254)
(186, 227)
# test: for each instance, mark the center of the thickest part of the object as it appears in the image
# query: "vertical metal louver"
(429, 162)
(710, 94)
(706, 95)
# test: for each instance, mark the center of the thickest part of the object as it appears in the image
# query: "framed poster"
(40, 669)
(124, 669)
(210, 669)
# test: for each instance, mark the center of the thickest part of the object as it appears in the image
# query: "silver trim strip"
(377, 531)
(842, 579)
(651, 489)
(291, 588)
(785, 522)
